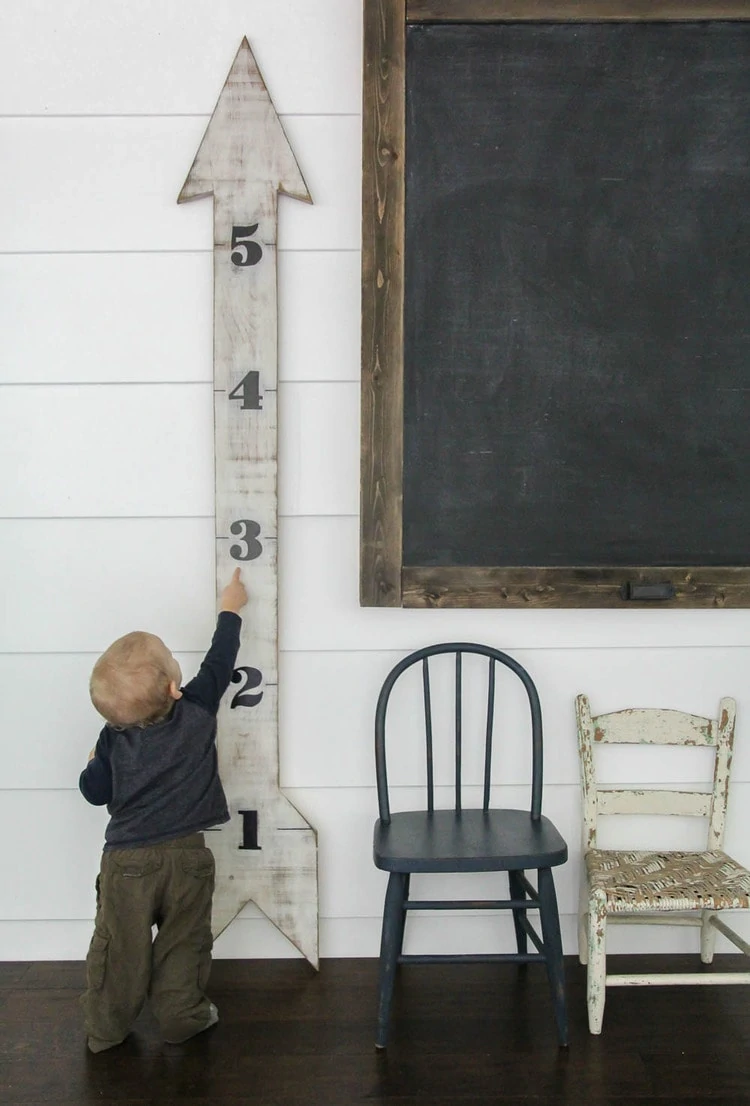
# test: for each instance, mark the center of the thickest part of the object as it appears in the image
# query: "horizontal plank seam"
(447, 787)
(146, 518)
(169, 115)
(401, 650)
(339, 918)
(194, 249)
(151, 383)
(323, 917)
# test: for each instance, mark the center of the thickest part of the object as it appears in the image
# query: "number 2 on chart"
(253, 678)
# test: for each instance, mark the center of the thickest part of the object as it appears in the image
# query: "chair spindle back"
(495, 656)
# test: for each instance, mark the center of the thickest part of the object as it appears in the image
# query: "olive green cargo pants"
(169, 885)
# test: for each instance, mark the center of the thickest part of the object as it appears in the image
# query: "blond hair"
(130, 683)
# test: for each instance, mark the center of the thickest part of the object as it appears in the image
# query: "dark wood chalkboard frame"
(384, 579)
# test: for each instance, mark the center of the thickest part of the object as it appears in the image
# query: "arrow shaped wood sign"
(267, 853)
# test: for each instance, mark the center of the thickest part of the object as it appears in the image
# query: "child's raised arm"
(234, 595)
(215, 673)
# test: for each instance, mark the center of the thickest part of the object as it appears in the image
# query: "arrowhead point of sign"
(244, 142)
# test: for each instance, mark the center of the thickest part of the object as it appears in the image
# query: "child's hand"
(234, 595)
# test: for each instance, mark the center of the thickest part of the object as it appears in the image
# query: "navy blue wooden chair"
(468, 840)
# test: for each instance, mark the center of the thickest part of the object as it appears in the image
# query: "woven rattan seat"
(649, 881)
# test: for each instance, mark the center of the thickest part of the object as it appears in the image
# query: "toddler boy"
(155, 766)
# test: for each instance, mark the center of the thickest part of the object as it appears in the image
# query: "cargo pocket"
(198, 867)
(96, 961)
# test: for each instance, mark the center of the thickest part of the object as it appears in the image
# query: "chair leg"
(583, 917)
(517, 891)
(390, 946)
(596, 976)
(550, 920)
(708, 937)
(402, 919)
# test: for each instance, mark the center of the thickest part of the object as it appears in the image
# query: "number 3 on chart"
(247, 531)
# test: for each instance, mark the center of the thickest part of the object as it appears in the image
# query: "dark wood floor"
(471, 1035)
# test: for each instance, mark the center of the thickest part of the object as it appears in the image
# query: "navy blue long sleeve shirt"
(162, 781)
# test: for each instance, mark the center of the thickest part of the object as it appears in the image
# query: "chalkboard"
(574, 344)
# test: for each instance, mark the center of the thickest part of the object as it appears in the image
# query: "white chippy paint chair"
(683, 888)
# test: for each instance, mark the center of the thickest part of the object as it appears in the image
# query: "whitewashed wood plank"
(319, 567)
(489, 933)
(35, 827)
(166, 570)
(244, 160)
(76, 585)
(46, 718)
(106, 451)
(644, 765)
(641, 831)
(145, 58)
(251, 938)
(163, 569)
(319, 449)
(686, 979)
(350, 885)
(255, 938)
(674, 803)
(111, 184)
(342, 749)
(667, 727)
(319, 315)
(138, 450)
(147, 317)
(406, 726)
(105, 317)
(47, 722)
(101, 184)
(44, 940)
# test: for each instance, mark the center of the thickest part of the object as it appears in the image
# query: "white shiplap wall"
(106, 466)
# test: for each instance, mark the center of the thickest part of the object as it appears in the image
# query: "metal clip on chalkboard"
(663, 590)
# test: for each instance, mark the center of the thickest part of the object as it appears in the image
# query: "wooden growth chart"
(267, 852)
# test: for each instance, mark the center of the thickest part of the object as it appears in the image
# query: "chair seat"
(654, 881)
(467, 841)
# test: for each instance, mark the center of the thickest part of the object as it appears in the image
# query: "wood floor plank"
(12, 973)
(469, 1035)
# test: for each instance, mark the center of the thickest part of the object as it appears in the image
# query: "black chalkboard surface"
(556, 303)
(577, 294)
